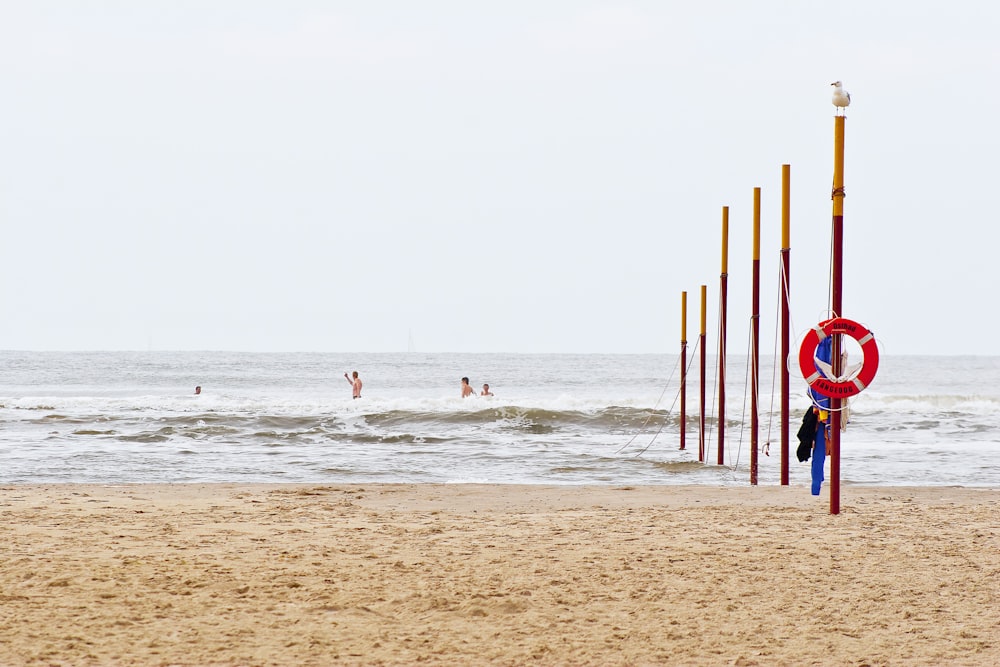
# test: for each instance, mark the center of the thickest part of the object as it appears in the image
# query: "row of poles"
(785, 291)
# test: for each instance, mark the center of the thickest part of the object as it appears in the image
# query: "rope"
(650, 416)
(676, 396)
(782, 292)
(829, 276)
(715, 381)
(812, 400)
(743, 416)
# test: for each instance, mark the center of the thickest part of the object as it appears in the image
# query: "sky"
(525, 177)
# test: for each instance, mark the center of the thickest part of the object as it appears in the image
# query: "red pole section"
(785, 286)
(684, 352)
(723, 298)
(755, 339)
(701, 346)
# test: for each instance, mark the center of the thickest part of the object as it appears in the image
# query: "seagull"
(841, 98)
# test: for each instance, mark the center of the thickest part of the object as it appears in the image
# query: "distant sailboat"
(410, 346)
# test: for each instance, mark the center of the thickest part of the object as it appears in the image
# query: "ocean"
(132, 417)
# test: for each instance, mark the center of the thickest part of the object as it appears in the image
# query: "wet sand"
(497, 575)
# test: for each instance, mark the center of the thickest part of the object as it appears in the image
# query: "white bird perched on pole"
(841, 98)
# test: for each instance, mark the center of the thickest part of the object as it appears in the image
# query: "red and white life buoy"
(846, 387)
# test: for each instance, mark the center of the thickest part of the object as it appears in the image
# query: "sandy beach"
(498, 575)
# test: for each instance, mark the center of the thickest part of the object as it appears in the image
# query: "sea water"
(132, 417)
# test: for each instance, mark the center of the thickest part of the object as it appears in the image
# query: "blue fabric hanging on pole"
(824, 352)
(819, 459)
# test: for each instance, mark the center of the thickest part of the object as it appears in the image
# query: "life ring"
(853, 383)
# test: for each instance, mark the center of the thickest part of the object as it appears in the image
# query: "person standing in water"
(197, 390)
(355, 384)
(486, 391)
(466, 389)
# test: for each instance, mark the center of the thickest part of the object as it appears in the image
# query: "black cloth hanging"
(806, 435)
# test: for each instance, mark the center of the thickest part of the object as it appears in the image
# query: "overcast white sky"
(536, 176)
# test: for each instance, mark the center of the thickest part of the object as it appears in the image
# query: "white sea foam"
(132, 417)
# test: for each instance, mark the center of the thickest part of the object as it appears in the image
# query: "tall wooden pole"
(785, 285)
(755, 338)
(684, 352)
(701, 346)
(837, 304)
(723, 302)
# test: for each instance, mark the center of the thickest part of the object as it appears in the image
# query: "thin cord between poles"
(669, 412)
(650, 416)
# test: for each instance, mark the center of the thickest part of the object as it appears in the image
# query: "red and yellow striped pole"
(837, 304)
(784, 283)
(723, 307)
(684, 351)
(701, 344)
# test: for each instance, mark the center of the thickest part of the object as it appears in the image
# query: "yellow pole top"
(756, 224)
(684, 317)
(838, 166)
(725, 240)
(704, 305)
(786, 212)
